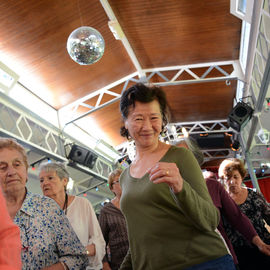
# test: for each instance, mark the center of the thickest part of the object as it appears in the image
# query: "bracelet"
(64, 265)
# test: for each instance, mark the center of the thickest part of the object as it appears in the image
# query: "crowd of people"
(165, 214)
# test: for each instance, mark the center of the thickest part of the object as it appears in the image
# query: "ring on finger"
(167, 172)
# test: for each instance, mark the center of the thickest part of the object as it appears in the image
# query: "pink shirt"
(10, 244)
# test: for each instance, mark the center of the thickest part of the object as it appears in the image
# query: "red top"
(10, 243)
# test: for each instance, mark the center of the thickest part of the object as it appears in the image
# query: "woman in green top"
(170, 216)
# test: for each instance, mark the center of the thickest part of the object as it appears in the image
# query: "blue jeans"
(222, 263)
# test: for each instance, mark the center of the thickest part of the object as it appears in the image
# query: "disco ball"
(85, 45)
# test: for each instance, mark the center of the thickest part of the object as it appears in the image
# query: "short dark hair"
(145, 94)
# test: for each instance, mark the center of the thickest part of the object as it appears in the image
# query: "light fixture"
(116, 29)
(171, 132)
(235, 146)
(85, 45)
(263, 135)
(33, 165)
(8, 78)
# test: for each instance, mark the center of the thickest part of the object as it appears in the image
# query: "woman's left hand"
(164, 172)
(264, 248)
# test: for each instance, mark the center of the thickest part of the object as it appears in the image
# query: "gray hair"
(193, 146)
(57, 167)
(195, 149)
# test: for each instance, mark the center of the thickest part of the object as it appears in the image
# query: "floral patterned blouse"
(47, 236)
(257, 209)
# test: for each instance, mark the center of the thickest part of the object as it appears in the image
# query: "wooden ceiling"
(33, 37)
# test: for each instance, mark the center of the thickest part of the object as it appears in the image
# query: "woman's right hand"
(164, 172)
(91, 250)
(106, 266)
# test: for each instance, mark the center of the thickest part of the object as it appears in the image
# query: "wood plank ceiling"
(33, 36)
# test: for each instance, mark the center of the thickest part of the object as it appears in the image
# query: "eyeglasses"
(117, 181)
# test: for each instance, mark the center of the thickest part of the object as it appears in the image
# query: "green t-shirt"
(166, 230)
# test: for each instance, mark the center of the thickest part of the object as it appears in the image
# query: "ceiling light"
(8, 78)
(235, 146)
(116, 29)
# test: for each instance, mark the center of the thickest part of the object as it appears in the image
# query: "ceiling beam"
(119, 34)
(73, 109)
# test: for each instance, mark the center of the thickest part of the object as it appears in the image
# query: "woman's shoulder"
(107, 207)
(40, 204)
(252, 192)
(175, 153)
(110, 210)
(83, 203)
(125, 173)
(178, 149)
(37, 200)
(215, 184)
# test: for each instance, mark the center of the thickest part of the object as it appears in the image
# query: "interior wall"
(264, 186)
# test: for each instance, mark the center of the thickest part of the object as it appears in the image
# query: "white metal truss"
(258, 82)
(197, 127)
(41, 137)
(204, 127)
(210, 154)
(70, 113)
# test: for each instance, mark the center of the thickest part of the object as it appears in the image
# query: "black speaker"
(239, 116)
(82, 156)
(214, 140)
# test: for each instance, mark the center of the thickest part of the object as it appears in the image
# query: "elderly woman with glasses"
(48, 240)
(113, 226)
(232, 172)
(79, 211)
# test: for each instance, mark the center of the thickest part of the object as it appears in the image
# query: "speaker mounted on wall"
(239, 116)
(82, 156)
